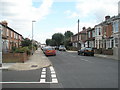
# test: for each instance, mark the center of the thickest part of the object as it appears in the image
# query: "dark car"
(86, 51)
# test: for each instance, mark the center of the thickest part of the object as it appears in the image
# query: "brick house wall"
(91, 37)
(10, 37)
(82, 38)
(107, 35)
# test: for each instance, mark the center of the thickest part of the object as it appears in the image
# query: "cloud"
(96, 8)
(20, 13)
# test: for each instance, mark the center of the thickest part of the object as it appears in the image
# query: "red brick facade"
(10, 37)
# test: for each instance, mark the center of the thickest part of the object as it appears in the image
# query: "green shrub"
(13, 49)
(23, 50)
(19, 50)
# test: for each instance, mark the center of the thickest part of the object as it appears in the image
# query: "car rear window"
(62, 46)
(50, 48)
(88, 48)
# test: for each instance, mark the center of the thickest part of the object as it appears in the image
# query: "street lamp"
(78, 35)
(0, 45)
(0, 56)
(32, 35)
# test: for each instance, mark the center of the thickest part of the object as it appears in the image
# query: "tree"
(68, 34)
(67, 40)
(26, 42)
(58, 38)
(48, 41)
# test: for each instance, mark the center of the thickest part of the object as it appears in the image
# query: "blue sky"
(53, 16)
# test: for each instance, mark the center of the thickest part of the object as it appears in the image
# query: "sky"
(54, 16)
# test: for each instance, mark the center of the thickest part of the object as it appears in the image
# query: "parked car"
(42, 48)
(86, 51)
(62, 48)
(56, 47)
(49, 51)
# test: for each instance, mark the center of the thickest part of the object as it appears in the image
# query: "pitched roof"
(10, 29)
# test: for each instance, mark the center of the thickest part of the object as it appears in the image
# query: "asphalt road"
(0, 79)
(74, 71)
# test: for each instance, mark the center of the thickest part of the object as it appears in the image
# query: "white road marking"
(86, 60)
(44, 70)
(51, 68)
(53, 75)
(43, 76)
(23, 82)
(55, 80)
(53, 72)
(42, 80)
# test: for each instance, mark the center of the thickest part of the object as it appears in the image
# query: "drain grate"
(34, 66)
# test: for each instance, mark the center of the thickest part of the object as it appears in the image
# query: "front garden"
(21, 54)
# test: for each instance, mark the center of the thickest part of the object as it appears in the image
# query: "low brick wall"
(107, 52)
(22, 56)
(73, 48)
(98, 51)
(15, 57)
(104, 51)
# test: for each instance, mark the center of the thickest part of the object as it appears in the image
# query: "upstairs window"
(93, 33)
(115, 26)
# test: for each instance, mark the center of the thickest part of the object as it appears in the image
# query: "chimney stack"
(107, 17)
(4, 23)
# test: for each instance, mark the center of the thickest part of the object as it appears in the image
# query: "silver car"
(62, 48)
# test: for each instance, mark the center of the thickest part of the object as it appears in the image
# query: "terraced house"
(10, 38)
(82, 39)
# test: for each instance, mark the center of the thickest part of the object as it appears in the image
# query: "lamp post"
(0, 56)
(78, 35)
(32, 35)
(0, 45)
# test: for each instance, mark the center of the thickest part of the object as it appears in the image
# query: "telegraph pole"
(78, 35)
(0, 57)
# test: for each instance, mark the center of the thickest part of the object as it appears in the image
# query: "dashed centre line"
(86, 60)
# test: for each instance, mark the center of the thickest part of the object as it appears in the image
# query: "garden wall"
(14, 57)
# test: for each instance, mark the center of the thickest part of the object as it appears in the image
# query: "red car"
(50, 51)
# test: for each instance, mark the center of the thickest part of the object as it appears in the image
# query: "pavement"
(99, 55)
(36, 61)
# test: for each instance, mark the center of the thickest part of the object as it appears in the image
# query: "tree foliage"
(58, 38)
(68, 34)
(26, 42)
(50, 42)
(67, 40)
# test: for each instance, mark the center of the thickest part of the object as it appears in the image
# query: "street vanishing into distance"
(70, 70)
(59, 44)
